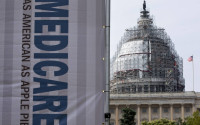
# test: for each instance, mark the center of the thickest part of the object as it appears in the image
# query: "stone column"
(160, 108)
(138, 114)
(149, 112)
(171, 112)
(117, 115)
(136, 89)
(193, 108)
(182, 112)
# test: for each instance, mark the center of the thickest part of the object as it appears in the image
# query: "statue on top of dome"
(144, 5)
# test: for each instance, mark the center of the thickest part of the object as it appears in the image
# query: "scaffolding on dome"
(146, 61)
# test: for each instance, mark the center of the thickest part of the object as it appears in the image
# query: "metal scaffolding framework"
(146, 60)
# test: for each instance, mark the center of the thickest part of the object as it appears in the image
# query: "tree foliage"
(194, 119)
(180, 122)
(128, 117)
(191, 120)
(159, 122)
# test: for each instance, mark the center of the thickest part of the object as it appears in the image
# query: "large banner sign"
(52, 62)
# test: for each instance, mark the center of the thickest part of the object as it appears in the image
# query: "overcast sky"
(181, 20)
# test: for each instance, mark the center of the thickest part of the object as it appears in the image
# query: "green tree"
(194, 119)
(180, 122)
(159, 122)
(128, 117)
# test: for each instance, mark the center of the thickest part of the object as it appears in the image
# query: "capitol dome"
(146, 60)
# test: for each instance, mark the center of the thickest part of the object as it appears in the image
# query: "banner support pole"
(107, 58)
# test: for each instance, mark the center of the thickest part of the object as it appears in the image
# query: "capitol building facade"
(147, 76)
(152, 106)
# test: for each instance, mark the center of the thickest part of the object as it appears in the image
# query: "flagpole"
(193, 70)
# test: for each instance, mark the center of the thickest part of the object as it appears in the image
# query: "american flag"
(190, 59)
